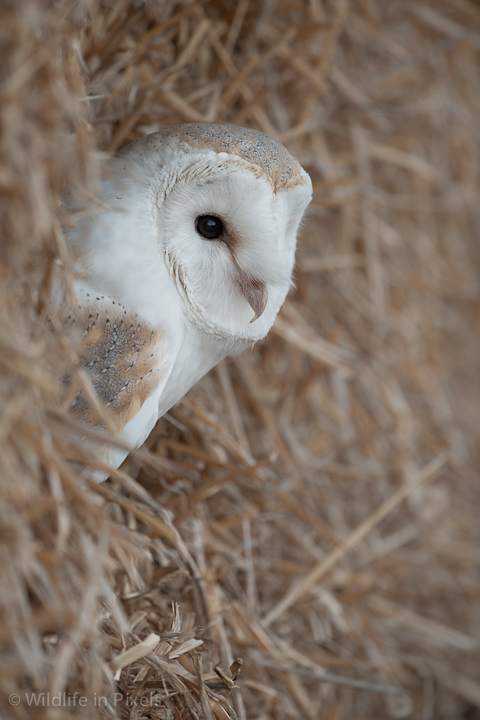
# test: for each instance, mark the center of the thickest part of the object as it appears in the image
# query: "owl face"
(227, 206)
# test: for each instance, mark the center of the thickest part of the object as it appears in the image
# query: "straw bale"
(299, 536)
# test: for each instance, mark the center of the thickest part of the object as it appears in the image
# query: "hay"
(311, 507)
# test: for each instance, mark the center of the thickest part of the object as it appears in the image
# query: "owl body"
(186, 260)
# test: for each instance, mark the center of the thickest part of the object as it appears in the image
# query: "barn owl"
(186, 259)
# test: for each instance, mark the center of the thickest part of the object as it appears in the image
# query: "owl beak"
(255, 293)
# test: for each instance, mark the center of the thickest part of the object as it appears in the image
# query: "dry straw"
(299, 537)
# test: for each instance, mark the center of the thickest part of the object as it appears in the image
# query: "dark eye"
(209, 226)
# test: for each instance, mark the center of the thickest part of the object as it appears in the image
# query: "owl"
(185, 259)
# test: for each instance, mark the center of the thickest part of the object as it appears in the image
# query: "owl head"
(226, 206)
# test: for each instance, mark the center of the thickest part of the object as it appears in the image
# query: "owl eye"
(209, 226)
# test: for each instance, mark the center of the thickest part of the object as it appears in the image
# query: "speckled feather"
(118, 352)
(264, 154)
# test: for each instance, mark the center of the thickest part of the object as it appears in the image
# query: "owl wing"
(124, 365)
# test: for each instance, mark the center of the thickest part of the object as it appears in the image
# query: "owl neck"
(200, 352)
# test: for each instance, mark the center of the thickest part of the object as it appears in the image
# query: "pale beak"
(254, 291)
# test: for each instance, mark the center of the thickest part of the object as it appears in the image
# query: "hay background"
(369, 377)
